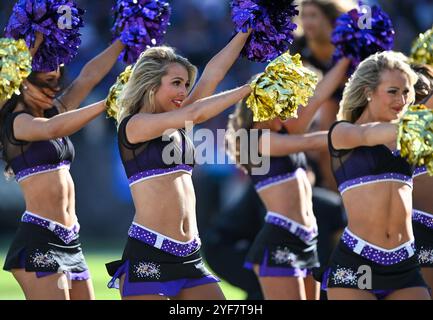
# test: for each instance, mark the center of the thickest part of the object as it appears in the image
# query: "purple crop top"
(281, 169)
(30, 158)
(144, 160)
(363, 165)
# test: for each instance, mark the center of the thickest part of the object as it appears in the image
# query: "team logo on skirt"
(147, 270)
(425, 256)
(283, 256)
(345, 276)
(41, 260)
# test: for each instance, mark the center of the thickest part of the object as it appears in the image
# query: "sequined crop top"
(364, 165)
(30, 158)
(419, 171)
(281, 169)
(145, 160)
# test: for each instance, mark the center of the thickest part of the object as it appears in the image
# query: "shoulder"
(338, 131)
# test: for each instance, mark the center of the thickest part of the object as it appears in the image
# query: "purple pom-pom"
(59, 22)
(272, 26)
(140, 24)
(358, 35)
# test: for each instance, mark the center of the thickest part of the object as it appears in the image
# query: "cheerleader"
(375, 258)
(45, 256)
(161, 259)
(285, 250)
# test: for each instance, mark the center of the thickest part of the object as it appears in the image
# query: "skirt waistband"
(375, 253)
(299, 230)
(423, 217)
(66, 234)
(162, 242)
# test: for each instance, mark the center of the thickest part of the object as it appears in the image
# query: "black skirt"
(350, 270)
(278, 252)
(424, 244)
(37, 249)
(149, 270)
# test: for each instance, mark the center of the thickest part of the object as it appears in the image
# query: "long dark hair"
(8, 108)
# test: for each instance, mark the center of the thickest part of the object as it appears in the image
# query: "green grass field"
(10, 290)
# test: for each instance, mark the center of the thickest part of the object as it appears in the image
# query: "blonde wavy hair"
(368, 76)
(146, 78)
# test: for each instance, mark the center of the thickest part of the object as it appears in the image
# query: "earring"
(368, 99)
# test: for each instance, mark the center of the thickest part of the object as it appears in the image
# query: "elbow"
(88, 77)
(212, 74)
(52, 132)
(196, 114)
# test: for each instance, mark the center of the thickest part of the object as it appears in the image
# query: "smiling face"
(173, 89)
(391, 96)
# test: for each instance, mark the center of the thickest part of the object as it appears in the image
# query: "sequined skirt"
(360, 265)
(283, 248)
(40, 250)
(150, 270)
(422, 223)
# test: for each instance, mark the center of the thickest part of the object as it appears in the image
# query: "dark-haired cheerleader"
(45, 256)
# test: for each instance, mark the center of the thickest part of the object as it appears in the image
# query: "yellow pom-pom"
(422, 48)
(15, 66)
(415, 136)
(115, 90)
(281, 89)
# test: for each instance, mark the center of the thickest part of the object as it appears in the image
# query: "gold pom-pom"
(15, 66)
(415, 136)
(422, 48)
(281, 89)
(115, 90)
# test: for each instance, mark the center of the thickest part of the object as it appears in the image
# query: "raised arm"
(348, 136)
(217, 68)
(147, 126)
(284, 144)
(324, 90)
(92, 73)
(29, 128)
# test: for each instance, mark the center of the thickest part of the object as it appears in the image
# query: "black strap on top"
(338, 154)
(335, 152)
(10, 136)
(123, 141)
(9, 127)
